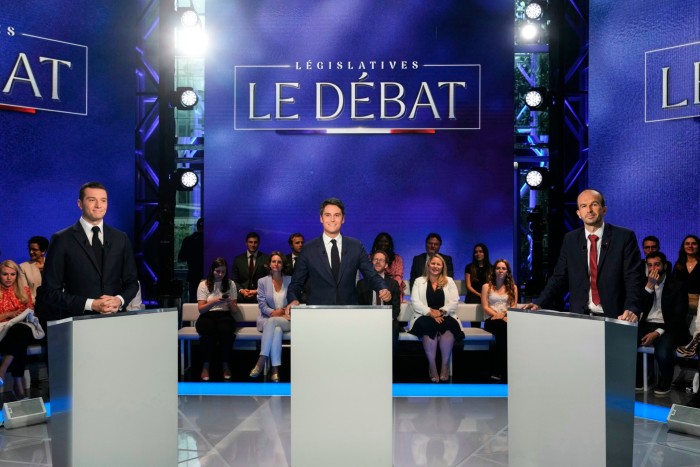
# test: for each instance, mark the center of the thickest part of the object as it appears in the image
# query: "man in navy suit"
(90, 266)
(599, 264)
(433, 242)
(331, 262)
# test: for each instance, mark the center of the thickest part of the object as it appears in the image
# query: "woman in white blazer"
(434, 299)
(273, 321)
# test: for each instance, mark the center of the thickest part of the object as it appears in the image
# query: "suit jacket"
(674, 307)
(313, 264)
(71, 275)
(239, 270)
(364, 294)
(418, 266)
(620, 279)
(266, 298)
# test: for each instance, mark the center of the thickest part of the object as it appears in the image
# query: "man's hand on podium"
(628, 316)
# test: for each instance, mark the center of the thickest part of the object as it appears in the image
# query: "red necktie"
(593, 266)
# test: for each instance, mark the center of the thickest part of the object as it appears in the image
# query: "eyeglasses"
(378, 260)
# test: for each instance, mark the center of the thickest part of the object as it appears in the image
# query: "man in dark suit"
(599, 264)
(650, 244)
(247, 268)
(331, 263)
(296, 243)
(90, 266)
(367, 296)
(433, 242)
(663, 321)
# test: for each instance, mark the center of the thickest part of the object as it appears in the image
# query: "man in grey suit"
(599, 264)
(90, 266)
(331, 262)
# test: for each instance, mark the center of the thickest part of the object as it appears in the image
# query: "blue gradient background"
(458, 183)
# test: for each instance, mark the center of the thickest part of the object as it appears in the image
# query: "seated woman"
(273, 320)
(15, 298)
(434, 299)
(34, 268)
(499, 293)
(394, 266)
(686, 271)
(216, 301)
(477, 273)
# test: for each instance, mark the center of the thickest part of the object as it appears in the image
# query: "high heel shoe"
(205, 374)
(691, 349)
(275, 377)
(433, 377)
(445, 375)
(227, 373)
(256, 371)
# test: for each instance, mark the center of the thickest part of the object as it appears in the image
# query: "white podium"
(113, 385)
(341, 374)
(570, 389)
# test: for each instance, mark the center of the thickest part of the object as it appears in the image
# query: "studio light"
(188, 17)
(529, 31)
(537, 98)
(534, 10)
(537, 178)
(185, 179)
(184, 98)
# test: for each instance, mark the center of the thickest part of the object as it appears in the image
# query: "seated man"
(247, 268)
(663, 321)
(432, 245)
(367, 296)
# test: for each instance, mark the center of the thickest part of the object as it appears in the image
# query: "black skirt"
(427, 326)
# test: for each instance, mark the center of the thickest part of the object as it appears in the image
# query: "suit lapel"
(324, 259)
(582, 256)
(605, 246)
(82, 240)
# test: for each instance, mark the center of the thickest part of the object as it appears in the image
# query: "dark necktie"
(593, 266)
(97, 246)
(377, 301)
(251, 270)
(335, 260)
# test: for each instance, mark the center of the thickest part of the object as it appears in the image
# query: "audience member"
(394, 263)
(248, 268)
(34, 268)
(476, 273)
(216, 301)
(433, 242)
(274, 319)
(367, 296)
(90, 266)
(497, 295)
(18, 327)
(663, 321)
(434, 298)
(331, 263)
(687, 272)
(650, 244)
(192, 252)
(296, 242)
(602, 291)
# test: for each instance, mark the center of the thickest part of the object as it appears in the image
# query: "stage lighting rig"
(534, 10)
(537, 99)
(537, 178)
(185, 179)
(188, 17)
(529, 31)
(184, 98)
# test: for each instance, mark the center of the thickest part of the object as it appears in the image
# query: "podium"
(113, 383)
(570, 389)
(341, 396)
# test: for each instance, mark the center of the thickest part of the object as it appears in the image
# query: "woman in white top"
(273, 321)
(434, 299)
(216, 301)
(499, 293)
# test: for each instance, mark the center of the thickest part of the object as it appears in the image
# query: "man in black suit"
(247, 268)
(90, 266)
(433, 242)
(599, 264)
(663, 321)
(650, 244)
(367, 296)
(331, 263)
(296, 242)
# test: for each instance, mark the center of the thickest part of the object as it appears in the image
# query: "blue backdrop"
(456, 182)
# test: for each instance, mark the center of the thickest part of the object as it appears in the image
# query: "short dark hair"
(98, 185)
(656, 254)
(386, 256)
(291, 237)
(433, 235)
(252, 235)
(651, 238)
(332, 202)
(200, 223)
(42, 242)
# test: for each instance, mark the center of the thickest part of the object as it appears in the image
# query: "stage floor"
(434, 425)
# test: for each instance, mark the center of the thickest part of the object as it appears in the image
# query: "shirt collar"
(327, 239)
(87, 227)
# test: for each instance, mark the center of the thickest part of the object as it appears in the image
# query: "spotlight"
(188, 17)
(185, 179)
(529, 31)
(536, 98)
(184, 98)
(534, 10)
(537, 178)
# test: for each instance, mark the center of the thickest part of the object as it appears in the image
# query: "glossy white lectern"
(341, 375)
(570, 389)
(113, 385)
